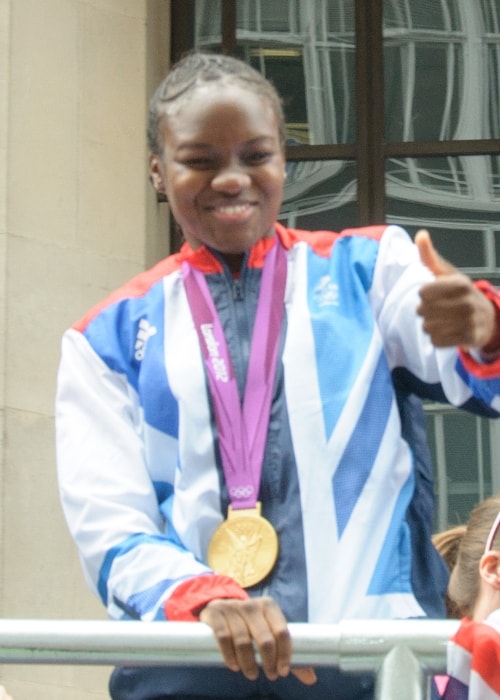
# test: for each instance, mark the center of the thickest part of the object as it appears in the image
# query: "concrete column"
(77, 218)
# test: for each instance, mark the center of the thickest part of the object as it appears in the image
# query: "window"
(393, 115)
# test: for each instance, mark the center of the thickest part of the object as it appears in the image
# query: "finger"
(430, 257)
(276, 660)
(243, 643)
(307, 676)
(216, 617)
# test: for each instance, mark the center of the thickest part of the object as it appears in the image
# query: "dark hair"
(464, 583)
(201, 67)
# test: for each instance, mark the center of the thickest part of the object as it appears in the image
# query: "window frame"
(370, 151)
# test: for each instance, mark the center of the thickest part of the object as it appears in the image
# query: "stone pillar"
(77, 218)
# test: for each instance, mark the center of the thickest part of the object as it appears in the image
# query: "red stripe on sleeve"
(188, 599)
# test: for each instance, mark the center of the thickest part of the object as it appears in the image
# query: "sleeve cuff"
(492, 350)
(191, 596)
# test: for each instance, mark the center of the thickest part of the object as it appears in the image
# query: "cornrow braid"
(198, 68)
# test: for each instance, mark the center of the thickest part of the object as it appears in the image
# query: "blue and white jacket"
(346, 480)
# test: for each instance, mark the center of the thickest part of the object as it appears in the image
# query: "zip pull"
(237, 289)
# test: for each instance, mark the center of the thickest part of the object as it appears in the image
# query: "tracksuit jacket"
(346, 479)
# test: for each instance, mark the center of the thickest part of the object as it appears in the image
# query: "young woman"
(237, 440)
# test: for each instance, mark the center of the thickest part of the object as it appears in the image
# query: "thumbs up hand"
(454, 312)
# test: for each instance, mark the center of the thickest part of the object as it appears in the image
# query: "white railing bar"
(354, 645)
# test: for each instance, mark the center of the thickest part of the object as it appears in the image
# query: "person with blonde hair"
(473, 661)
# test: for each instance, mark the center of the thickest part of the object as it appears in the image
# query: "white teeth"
(234, 209)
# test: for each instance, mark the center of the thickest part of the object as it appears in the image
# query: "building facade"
(392, 111)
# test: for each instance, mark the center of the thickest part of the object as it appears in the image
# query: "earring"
(160, 195)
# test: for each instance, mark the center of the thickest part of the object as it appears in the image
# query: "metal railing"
(403, 654)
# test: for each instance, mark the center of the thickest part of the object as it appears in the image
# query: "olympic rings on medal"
(241, 491)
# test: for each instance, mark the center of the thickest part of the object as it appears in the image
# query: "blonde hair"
(447, 544)
(464, 583)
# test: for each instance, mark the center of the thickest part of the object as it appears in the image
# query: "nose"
(231, 179)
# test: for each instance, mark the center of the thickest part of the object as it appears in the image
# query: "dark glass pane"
(246, 15)
(342, 67)
(461, 447)
(320, 195)
(460, 505)
(463, 248)
(308, 51)
(493, 88)
(285, 69)
(454, 197)
(422, 83)
(491, 13)
(441, 69)
(468, 472)
(467, 462)
(340, 18)
(207, 23)
(424, 14)
(497, 247)
(274, 15)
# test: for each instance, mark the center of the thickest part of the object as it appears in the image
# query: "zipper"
(238, 294)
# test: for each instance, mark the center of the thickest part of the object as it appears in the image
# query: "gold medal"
(245, 546)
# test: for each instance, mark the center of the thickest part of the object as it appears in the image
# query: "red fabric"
(136, 287)
(474, 658)
(491, 368)
(322, 241)
(493, 295)
(188, 599)
(483, 642)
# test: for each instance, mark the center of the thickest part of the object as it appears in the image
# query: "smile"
(233, 213)
(232, 209)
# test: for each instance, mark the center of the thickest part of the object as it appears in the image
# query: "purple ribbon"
(242, 428)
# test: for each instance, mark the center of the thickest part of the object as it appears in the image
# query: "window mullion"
(370, 111)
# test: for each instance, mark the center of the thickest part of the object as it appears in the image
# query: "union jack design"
(474, 661)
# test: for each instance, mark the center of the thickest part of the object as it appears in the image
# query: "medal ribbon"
(241, 428)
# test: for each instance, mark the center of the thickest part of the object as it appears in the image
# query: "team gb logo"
(146, 330)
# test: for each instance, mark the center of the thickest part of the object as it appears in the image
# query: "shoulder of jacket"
(136, 287)
(322, 241)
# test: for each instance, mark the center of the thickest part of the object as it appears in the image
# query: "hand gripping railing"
(403, 654)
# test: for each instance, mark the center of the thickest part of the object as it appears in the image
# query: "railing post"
(401, 676)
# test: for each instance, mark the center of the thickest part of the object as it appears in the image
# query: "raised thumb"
(430, 257)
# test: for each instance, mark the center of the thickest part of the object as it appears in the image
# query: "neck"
(488, 601)
(234, 261)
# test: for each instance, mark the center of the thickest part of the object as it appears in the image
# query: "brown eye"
(258, 157)
(198, 163)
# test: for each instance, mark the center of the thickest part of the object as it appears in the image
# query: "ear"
(489, 569)
(156, 174)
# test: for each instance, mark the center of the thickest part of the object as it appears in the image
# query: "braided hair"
(198, 68)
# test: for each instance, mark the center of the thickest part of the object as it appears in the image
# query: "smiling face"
(222, 166)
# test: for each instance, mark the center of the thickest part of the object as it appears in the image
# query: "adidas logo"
(146, 330)
(326, 292)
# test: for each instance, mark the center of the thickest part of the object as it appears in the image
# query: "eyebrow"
(201, 145)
